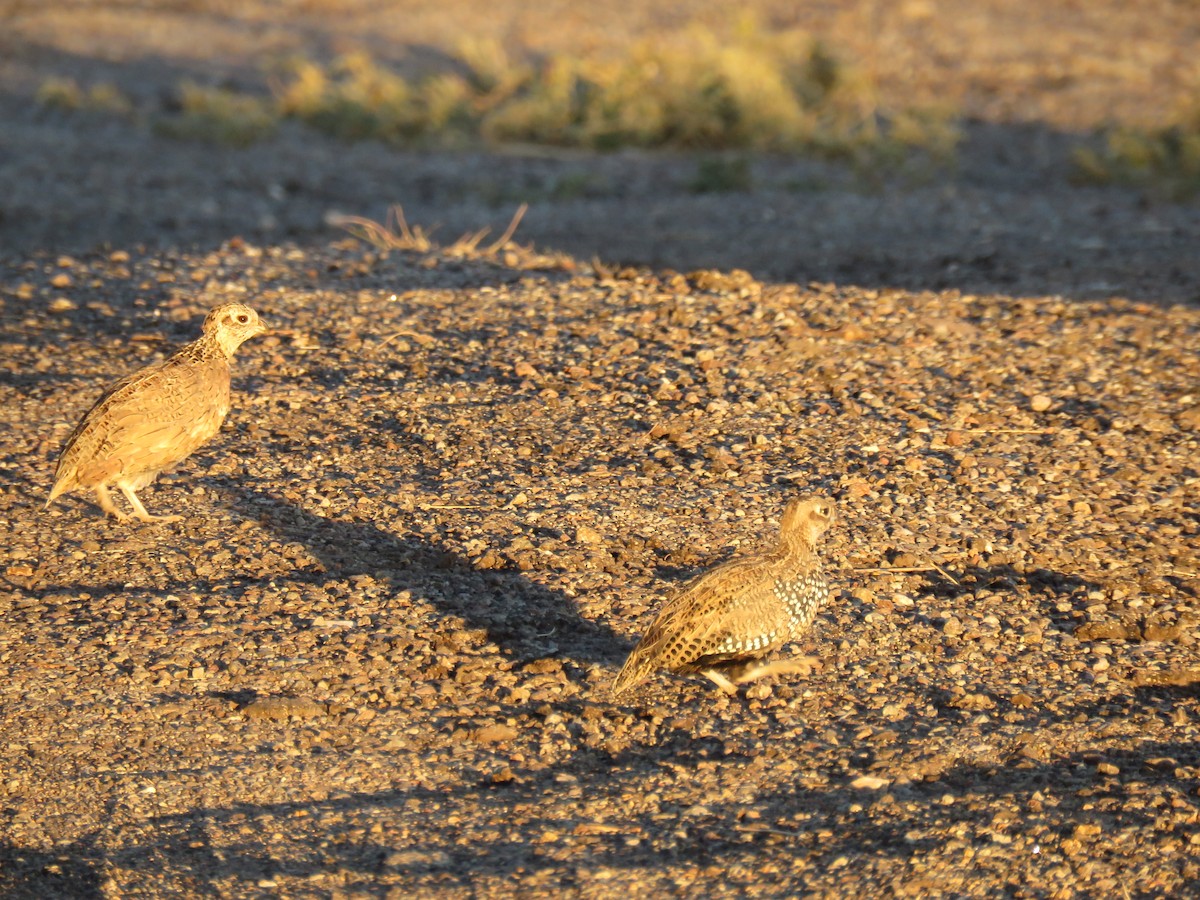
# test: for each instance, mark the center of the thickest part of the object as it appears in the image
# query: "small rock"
(411, 859)
(1040, 403)
(1107, 631)
(1162, 762)
(1158, 632)
(858, 489)
(585, 534)
(494, 734)
(759, 691)
(1189, 419)
(283, 707)
(547, 665)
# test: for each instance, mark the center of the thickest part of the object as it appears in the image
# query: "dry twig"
(932, 567)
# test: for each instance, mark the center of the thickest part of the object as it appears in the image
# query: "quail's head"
(808, 518)
(232, 324)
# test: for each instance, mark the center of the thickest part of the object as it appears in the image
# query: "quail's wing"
(114, 396)
(83, 457)
(697, 619)
(750, 624)
(157, 417)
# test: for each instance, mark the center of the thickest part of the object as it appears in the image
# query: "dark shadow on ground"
(955, 581)
(524, 619)
(775, 830)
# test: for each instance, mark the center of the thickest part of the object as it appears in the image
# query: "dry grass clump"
(220, 116)
(66, 93)
(747, 88)
(753, 89)
(1165, 160)
(356, 98)
(394, 233)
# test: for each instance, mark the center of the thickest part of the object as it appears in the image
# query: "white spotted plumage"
(743, 610)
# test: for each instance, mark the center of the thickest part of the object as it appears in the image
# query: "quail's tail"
(634, 672)
(60, 487)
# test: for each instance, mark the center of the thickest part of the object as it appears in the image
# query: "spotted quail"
(726, 621)
(155, 417)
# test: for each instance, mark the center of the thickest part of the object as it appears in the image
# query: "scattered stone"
(494, 734)
(455, 561)
(1189, 419)
(1162, 632)
(283, 708)
(588, 536)
(1108, 631)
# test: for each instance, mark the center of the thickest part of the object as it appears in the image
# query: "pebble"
(384, 635)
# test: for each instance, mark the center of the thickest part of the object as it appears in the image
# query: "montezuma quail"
(728, 619)
(155, 417)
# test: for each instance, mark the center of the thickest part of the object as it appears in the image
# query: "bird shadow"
(951, 583)
(524, 619)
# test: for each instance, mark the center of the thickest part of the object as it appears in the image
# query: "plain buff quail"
(156, 417)
(726, 621)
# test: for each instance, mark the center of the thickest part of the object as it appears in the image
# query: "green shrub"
(65, 93)
(219, 116)
(746, 88)
(1164, 160)
(718, 175)
(357, 99)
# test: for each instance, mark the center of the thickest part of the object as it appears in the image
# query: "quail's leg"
(720, 681)
(106, 504)
(140, 511)
(800, 664)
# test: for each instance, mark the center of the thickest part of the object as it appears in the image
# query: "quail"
(726, 621)
(156, 417)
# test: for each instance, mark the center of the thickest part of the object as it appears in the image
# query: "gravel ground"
(374, 659)
(375, 656)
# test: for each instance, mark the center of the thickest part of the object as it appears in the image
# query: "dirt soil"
(374, 659)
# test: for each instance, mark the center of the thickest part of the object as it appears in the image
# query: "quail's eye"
(243, 319)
